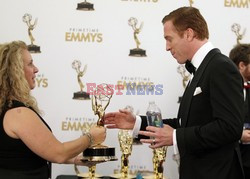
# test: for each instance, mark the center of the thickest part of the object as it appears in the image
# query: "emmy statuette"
(159, 156)
(136, 52)
(99, 153)
(125, 138)
(185, 77)
(81, 95)
(236, 29)
(32, 47)
(85, 6)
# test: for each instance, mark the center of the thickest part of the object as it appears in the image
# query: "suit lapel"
(189, 91)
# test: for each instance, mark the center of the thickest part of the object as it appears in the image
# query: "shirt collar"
(201, 53)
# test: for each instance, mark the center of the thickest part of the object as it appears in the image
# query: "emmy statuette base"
(34, 49)
(81, 95)
(85, 6)
(137, 52)
(99, 153)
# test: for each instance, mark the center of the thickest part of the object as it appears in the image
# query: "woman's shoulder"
(20, 106)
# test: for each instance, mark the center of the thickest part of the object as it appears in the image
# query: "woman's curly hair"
(13, 83)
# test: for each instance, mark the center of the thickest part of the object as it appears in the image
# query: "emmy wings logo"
(27, 19)
(41, 81)
(82, 95)
(236, 28)
(237, 3)
(88, 35)
(185, 75)
(136, 52)
(77, 123)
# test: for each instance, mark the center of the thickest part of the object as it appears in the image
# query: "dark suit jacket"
(245, 149)
(211, 122)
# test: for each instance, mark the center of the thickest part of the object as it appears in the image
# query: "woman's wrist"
(90, 138)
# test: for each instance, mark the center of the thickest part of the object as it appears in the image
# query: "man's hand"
(159, 137)
(123, 119)
(245, 136)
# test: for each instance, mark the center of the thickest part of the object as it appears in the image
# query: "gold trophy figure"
(99, 153)
(185, 77)
(32, 47)
(236, 29)
(126, 142)
(159, 156)
(100, 101)
(85, 6)
(80, 73)
(138, 52)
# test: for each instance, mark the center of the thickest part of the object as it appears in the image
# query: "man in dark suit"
(209, 124)
(240, 55)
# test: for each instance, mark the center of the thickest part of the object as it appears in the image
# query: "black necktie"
(190, 67)
(247, 114)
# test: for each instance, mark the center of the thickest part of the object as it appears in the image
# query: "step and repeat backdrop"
(79, 44)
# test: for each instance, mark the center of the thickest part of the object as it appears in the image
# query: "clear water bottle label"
(154, 119)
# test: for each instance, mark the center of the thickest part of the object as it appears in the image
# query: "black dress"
(16, 159)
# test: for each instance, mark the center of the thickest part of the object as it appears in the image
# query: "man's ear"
(189, 33)
(241, 66)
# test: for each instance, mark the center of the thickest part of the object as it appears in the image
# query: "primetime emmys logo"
(132, 89)
(139, 86)
(77, 123)
(130, 86)
(154, 1)
(237, 3)
(41, 81)
(83, 35)
(127, 81)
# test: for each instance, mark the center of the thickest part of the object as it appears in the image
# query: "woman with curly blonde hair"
(27, 143)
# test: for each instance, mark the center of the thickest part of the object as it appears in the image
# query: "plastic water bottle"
(154, 115)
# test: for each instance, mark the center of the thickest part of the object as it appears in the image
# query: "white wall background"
(108, 61)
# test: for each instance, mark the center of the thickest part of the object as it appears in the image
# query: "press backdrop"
(101, 39)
